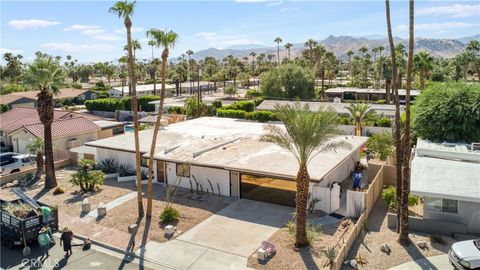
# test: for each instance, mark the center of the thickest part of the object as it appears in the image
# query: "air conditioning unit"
(475, 146)
(73, 143)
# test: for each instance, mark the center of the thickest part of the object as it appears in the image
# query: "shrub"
(217, 104)
(169, 214)
(195, 109)
(231, 113)
(381, 145)
(247, 106)
(253, 93)
(384, 122)
(330, 253)
(258, 101)
(448, 112)
(143, 103)
(313, 231)
(86, 177)
(389, 195)
(108, 165)
(103, 94)
(435, 238)
(381, 101)
(10, 88)
(263, 116)
(125, 170)
(105, 104)
(176, 110)
(230, 90)
(344, 120)
(290, 81)
(101, 86)
(58, 190)
(76, 85)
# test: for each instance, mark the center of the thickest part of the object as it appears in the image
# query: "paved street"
(431, 263)
(94, 258)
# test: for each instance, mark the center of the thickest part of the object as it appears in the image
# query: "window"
(441, 205)
(144, 162)
(183, 170)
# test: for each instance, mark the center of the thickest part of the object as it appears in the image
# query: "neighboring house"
(447, 175)
(78, 96)
(228, 156)
(67, 132)
(109, 128)
(350, 93)
(12, 101)
(142, 90)
(340, 108)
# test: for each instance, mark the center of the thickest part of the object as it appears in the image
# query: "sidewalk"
(87, 228)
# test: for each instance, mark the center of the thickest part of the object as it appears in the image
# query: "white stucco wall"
(468, 214)
(20, 140)
(323, 194)
(120, 156)
(342, 171)
(201, 174)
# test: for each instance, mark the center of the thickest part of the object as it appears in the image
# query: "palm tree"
(189, 53)
(287, 47)
(45, 74)
(124, 9)
(403, 237)
(37, 147)
(398, 135)
(167, 40)
(310, 44)
(349, 55)
(423, 64)
(473, 46)
(278, 40)
(306, 134)
(153, 44)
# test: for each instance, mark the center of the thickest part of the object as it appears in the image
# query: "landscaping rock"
(422, 244)
(353, 264)
(385, 248)
(169, 230)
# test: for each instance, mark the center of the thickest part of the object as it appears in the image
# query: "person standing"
(44, 241)
(45, 211)
(66, 238)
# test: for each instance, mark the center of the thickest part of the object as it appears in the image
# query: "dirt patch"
(379, 233)
(306, 258)
(193, 210)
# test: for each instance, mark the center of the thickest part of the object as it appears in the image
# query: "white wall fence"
(366, 130)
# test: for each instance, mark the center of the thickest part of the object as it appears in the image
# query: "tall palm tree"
(398, 135)
(403, 237)
(165, 39)
(306, 134)
(473, 46)
(310, 44)
(288, 46)
(278, 40)
(125, 9)
(189, 53)
(423, 64)
(37, 147)
(153, 44)
(349, 55)
(45, 74)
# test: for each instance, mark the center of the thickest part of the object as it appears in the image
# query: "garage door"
(268, 189)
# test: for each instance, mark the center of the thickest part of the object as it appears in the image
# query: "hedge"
(247, 106)
(384, 122)
(113, 104)
(260, 116)
(253, 93)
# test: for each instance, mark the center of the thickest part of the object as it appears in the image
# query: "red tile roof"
(7, 99)
(63, 93)
(20, 116)
(64, 127)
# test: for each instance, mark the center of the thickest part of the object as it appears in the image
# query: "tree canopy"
(448, 112)
(289, 81)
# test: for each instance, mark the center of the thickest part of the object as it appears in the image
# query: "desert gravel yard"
(379, 234)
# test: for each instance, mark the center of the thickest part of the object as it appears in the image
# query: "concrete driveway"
(224, 240)
(431, 263)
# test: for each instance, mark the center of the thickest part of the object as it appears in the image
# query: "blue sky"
(85, 29)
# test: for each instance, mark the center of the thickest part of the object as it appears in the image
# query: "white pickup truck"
(18, 163)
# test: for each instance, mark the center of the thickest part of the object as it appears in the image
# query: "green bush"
(381, 101)
(344, 120)
(195, 109)
(381, 145)
(247, 106)
(76, 85)
(10, 88)
(230, 90)
(448, 112)
(231, 113)
(144, 100)
(289, 81)
(86, 176)
(3, 108)
(258, 101)
(217, 104)
(384, 122)
(105, 104)
(103, 94)
(176, 110)
(389, 195)
(253, 93)
(262, 116)
(108, 165)
(169, 214)
(101, 86)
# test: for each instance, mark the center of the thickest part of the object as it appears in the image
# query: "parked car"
(465, 254)
(6, 157)
(18, 163)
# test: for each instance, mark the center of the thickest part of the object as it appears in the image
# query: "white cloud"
(14, 51)
(80, 27)
(31, 23)
(134, 30)
(435, 26)
(214, 39)
(70, 48)
(454, 11)
(107, 37)
(93, 32)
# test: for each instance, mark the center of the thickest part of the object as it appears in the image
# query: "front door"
(160, 171)
(234, 184)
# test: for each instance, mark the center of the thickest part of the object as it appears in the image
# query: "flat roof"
(339, 108)
(339, 90)
(108, 124)
(230, 144)
(443, 178)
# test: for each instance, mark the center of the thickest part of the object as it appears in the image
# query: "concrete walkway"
(110, 205)
(225, 240)
(431, 263)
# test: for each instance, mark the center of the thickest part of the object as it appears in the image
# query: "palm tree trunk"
(303, 180)
(50, 180)
(398, 135)
(133, 80)
(278, 53)
(40, 164)
(422, 79)
(403, 237)
(155, 133)
(465, 72)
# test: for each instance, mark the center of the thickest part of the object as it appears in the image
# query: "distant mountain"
(339, 45)
(468, 39)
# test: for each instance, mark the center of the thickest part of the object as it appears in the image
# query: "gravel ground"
(379, 233)
(305, 258)
(193, 210)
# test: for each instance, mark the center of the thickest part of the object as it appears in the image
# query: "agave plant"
(108, 165)
(331, 254)
(125, 170)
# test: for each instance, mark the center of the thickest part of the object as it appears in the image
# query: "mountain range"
(339, 45)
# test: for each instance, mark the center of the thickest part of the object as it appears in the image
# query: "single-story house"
(142, 90)
(76, 95)
(227, 155)
(350, 93)
(340, 108)
(447, 175)
(12, 101)
(21, 125)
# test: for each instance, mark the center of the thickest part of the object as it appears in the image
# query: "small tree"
(389, 197)
(381, 145)
(194, 108)
(230, 90)
(289, 81)
(87, 176)
(37, 148)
